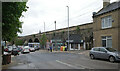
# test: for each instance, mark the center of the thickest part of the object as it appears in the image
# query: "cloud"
(48, 11)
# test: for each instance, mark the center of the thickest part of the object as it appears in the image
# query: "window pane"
(96, 49)
(102, 22)
(72, 46)
(106, 22)
(104, 43)
(109, 37)
(109, 43)
(110, 21)
(111, 49)
(102, 50)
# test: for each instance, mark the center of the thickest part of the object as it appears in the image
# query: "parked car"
(6, 49)
(105, 53)
(36, 47)
(20, 49)
(10, 48)
(15, 51)
(32, 49)
(25, 49)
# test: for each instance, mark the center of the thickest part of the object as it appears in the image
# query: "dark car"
(15, 51)
(20, 49)
(6, 49)
(105, 53)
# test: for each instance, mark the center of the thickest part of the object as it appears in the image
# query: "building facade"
(106, 24)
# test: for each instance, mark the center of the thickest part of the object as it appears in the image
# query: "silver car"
(105, 53)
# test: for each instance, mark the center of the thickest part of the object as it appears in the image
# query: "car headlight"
(118, 55)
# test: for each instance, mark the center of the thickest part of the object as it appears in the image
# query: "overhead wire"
(81, 14)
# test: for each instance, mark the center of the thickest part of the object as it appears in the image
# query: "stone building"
(106, 24)
(85, 31)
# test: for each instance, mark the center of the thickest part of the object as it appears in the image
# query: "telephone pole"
(44, 26)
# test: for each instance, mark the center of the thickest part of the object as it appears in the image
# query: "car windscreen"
(15, 49)
(26, 48)
(111, 49)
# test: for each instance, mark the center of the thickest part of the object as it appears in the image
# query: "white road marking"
(68, 65)
(12, 55)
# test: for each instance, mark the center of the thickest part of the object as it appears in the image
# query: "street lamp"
(68, 26)
(44, 26)
(55, 35)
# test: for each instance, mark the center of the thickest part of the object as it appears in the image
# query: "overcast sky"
(48, 11)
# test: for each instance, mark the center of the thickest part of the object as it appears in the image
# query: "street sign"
(69, 40)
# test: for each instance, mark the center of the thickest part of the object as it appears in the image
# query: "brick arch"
(30, 40)
(36, 40)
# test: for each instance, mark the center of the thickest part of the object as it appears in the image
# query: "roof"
(59, 29)
(75, 38)
(109, 8)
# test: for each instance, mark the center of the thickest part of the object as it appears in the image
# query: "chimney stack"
(106, 3)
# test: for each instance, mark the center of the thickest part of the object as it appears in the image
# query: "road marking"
(68, 64)
(12, 56)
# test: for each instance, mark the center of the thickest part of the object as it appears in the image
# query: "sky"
(42, 12)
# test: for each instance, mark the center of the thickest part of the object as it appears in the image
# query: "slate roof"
(76, 38)
(110, 7)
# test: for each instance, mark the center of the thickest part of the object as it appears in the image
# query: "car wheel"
(112, 59)
(92, 56)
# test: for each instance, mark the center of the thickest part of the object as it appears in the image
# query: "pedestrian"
(50, 49)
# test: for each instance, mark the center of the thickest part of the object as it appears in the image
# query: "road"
(58, 60)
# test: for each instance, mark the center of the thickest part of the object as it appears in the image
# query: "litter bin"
(61, 48)
(6, 59)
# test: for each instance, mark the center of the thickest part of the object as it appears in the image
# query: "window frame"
(106, 22)
(106, 38)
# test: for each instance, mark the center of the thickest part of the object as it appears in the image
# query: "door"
(103, 53)
(96, 52)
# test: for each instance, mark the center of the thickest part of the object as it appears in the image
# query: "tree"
(88, 37)
(19, 42)
(11, 12)
(43, 40)
(63, 36)
(34, 36)
(77, 30)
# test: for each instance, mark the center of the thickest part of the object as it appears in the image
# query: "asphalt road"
(58, 60)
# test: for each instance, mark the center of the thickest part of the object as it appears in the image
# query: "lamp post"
(55, 36)
(44, 26)
(68, 26)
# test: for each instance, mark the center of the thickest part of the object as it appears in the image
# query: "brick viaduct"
(85, 29)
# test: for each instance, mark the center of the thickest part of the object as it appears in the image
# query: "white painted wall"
(84, 45)
(78, 46)
(70, 47)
